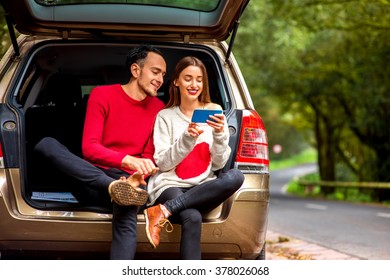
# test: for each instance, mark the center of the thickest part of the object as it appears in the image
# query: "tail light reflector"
(253, 152)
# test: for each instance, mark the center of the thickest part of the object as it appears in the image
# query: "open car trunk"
(53, 99)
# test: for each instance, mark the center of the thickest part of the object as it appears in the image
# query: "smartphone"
(202, 115)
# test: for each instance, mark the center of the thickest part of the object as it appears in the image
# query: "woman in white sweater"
(187, 155)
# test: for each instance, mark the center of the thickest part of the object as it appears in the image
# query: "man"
(117, 144)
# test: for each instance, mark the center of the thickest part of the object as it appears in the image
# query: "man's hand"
(142, 166)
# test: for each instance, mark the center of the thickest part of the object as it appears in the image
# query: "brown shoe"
(124, 194)
(155, 221)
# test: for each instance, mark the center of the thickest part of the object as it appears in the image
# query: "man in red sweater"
(117, 145)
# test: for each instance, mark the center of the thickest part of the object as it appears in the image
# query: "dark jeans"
(96, 182)
(188, 204)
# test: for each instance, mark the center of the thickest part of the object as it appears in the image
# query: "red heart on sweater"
(195, 163)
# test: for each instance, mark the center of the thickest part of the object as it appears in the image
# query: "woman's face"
(190, 83)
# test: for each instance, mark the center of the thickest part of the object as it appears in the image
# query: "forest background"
(319, 75)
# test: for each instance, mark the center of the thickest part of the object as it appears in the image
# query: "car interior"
(53, 98)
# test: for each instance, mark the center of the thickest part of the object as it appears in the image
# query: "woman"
(187, 155)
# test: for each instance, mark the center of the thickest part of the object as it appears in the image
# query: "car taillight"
(253, 155)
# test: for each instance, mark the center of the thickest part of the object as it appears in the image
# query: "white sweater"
(183, 160)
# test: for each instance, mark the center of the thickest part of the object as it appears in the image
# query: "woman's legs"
(191, 222)
(191, 231)
(204, 197)
(209, 195)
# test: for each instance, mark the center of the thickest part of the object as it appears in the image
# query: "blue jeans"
(94, 183)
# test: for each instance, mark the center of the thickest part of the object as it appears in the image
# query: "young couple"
(178, 158)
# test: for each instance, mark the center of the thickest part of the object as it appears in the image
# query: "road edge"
(282, 247)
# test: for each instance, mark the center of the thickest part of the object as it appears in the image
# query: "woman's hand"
(194, 130)
(218, 122)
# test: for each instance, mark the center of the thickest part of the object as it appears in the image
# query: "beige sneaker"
(124, 194)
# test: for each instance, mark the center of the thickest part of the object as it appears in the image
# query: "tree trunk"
(326, 151)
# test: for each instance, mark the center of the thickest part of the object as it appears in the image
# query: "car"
(60, 51)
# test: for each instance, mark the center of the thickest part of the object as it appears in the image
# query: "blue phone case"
(201, 115)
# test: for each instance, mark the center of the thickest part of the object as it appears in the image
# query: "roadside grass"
(306, 156)
(355, 195)
(348, 194)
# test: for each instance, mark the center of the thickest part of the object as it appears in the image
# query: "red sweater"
(117, 125)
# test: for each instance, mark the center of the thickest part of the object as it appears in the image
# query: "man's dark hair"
(138, 55)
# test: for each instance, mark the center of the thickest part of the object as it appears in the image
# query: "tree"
(325, 65)
(4, 36)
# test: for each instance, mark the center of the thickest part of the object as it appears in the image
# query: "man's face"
(151, 76)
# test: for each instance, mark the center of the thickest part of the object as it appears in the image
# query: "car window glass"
(204, 6)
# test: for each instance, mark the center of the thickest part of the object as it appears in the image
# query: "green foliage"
(306, 156)
(305, 191)
(4, 37)
(352, 195)
(349, 194)
(254, 52)
(322, 67)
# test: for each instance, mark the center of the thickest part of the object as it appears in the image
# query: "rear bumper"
(236, 229)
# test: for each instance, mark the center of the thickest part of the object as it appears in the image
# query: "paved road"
(357, 230)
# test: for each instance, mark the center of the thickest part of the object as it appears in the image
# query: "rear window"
(197, 5)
